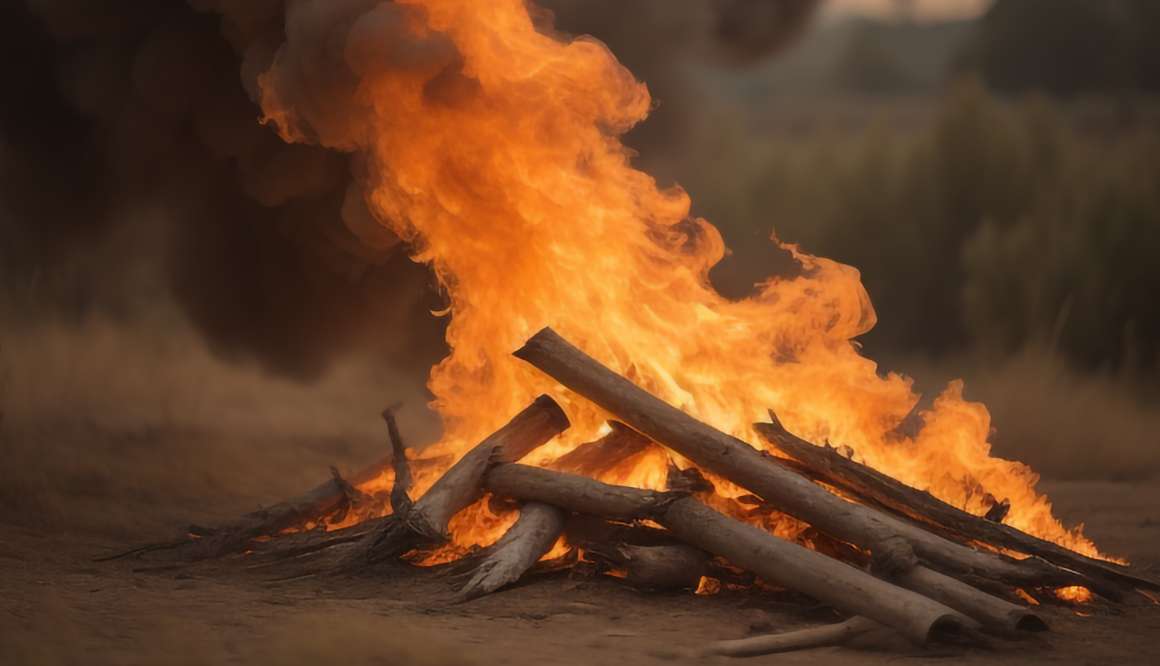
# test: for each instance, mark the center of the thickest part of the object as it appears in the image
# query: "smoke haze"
(136, 175)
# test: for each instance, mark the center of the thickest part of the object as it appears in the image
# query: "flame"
(504, 170)
(1076, 594)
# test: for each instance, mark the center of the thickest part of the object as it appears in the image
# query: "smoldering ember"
(608, 416)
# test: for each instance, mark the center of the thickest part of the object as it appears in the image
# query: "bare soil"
(57, 606)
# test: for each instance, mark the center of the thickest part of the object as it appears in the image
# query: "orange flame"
(505, 172)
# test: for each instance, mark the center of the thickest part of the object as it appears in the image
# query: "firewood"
(605, 453)
(534, 533)
(760, 473)
(828, 465)
(803, 639)
(400, 498)
(426, 522)
(668, 567)
(787, 564)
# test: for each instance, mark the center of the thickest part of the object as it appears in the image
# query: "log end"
(557, 419)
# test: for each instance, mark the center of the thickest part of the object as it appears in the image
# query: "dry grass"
(123, 428)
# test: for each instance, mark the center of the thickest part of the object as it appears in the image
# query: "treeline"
(1069, 47)
(994, 223)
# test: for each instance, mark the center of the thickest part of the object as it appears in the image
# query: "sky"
(923, 9)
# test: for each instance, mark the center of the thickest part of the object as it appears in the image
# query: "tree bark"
(760, 473)
(848, 589)
(828, 465)
(536, 531)
(426, 522)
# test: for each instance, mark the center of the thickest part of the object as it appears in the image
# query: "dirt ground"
(59, 607)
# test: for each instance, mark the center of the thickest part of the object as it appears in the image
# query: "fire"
(493, 147)
(1077, 594)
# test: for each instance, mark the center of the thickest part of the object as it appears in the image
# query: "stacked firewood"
(907, 561)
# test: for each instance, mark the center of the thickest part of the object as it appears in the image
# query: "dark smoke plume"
(133, 165)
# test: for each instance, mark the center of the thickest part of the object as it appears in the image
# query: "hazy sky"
(928, 9)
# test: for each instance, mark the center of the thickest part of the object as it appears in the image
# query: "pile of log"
(906, 562)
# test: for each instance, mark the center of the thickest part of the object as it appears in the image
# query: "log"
(760, 473)
(828, 580)
(865, 482)
(534, 533)
(804, 639)
(461, 486)
(994, 614)
(668, 567)
(593, 458)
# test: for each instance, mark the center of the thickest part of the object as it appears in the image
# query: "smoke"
(135, 173)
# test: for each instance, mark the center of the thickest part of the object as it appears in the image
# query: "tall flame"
(494, 148)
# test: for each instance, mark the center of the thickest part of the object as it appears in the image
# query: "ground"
(57, 606)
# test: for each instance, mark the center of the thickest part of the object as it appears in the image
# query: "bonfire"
(645, 427)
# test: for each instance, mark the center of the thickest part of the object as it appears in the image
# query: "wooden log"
(803, 639)
(828, 465)
(760, 473)
(665, 567)
(593, 458)
(848, 589)
(461, 486)
(536, 531)
(994, 614)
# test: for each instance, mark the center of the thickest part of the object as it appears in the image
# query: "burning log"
(828, 465)
(461, 486)
(804, 639)
(760, 473)
(918, 618)
(538, 528)
(595, 457)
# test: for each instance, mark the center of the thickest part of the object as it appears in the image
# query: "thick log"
(804, 639)
(534, 533)
(760, 473)
(995, 614)
(848, 589)
(426, 522)
(865, 482)
(400, 490)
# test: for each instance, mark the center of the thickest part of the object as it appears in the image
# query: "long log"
(868, 483)
(803, 639)
(785, 563)
(461, 486)
(995, 614)
(533, 534)
(760, 473)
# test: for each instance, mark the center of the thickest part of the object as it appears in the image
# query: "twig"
(401, 502)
